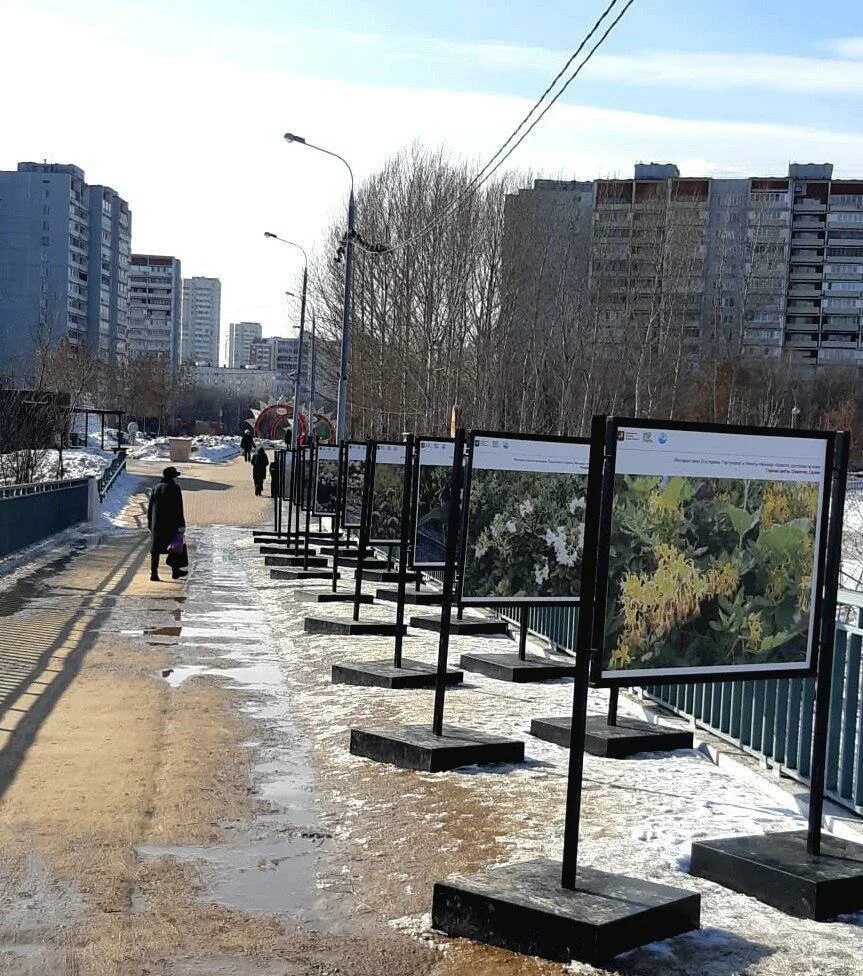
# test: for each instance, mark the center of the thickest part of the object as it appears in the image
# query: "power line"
(506, 150)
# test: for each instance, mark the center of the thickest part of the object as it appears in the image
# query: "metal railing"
(773, 719)
(31, 513)
(111, 473)
(769, 719)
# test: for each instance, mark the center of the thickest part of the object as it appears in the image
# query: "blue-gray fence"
(31, 513)
(769, 719)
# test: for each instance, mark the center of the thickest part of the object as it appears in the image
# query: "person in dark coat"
(165, 519)
(259, 470)
(247, 443)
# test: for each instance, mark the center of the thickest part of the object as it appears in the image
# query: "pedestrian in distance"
(247, 443)
(166, 522)
(259, 470)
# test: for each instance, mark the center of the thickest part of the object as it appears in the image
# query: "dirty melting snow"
(639, 816)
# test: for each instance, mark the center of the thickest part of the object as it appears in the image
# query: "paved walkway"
(213, 494)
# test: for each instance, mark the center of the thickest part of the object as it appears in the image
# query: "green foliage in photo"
(327, 487)
(387, 502)
(433, 494)
(709, 572)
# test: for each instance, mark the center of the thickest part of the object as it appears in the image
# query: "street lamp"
(296, 419)
(349, 265)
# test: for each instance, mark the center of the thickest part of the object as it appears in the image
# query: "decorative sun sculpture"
(273, 420)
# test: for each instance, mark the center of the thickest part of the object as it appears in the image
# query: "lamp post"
(296, 419)
(346, 314)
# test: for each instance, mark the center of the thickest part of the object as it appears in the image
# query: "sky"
(181, 106)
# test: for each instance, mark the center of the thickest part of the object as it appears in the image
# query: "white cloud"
(194, 144)
(847, 47)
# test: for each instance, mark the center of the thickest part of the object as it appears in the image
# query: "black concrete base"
(344, 550)
(370, 562)
(313, 562)
(279, 549)
(342, 626)
(303, 574)
(421, 598)
(416, 747)
(522, 907)
(384, 674)
(327, 596)
(388, 576)
(463, 627)
(620, 741)
(509, 667)
(775, 868)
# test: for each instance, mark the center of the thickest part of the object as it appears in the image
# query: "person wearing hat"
(165, 520)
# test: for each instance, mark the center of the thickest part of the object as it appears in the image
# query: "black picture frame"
(359, 451)
(382, 540)
(417, 474)
(514, 601)
(317, 508)
(639, 677)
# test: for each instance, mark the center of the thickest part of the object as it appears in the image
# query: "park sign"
(354, 480)
(387, 493)
(432, 491)
(711, 552)
(326, 480)
(523, 527)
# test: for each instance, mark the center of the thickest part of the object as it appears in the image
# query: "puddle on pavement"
(276, 876)
(275, 869)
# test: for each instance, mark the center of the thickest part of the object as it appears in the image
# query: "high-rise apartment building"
(155, 306)
(765, 266)
(64, 264)
(281, 354)
(202, 301)
(241, 335)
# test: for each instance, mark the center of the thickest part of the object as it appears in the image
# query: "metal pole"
(298, 491)
(336, 518)
(613, 695)
(522, 633)
(583, 652)
(448, 579)
(295, 426)
(313, 380)
(309, 484)
(827, 641)
(404, 527)
(365, 522)
(346, 324)
(288, 489)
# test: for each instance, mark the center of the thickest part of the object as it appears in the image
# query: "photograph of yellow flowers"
(710, 573)
(525, 536)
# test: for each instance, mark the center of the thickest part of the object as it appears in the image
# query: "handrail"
(109, 475)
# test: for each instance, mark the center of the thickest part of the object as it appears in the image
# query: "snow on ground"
(77, 463)
(206, 448)
(117, 500)
(639, 815)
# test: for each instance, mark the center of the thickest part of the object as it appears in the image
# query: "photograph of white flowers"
(525, 534)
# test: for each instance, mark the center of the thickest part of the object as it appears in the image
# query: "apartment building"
(281, 355)
(201, 323)
(155, 306)
(64, 264)
(765, 266)
(241, 335)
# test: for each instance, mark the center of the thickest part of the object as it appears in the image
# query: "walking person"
(165, 520)
(247, 443)
(259, 470)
